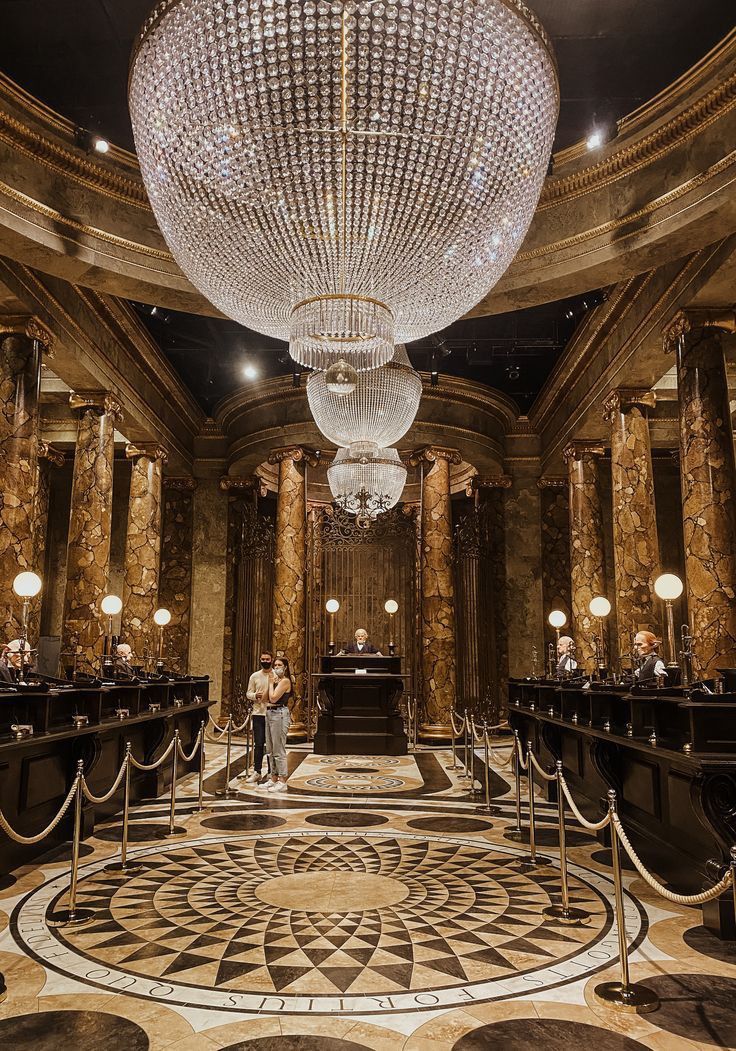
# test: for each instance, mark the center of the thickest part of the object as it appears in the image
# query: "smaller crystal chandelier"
(380, 409)
(367, 484)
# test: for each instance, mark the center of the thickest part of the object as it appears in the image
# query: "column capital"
(433, 453)
(150, 450)
(684, 321)
(99, 401)
(552, 483)
(624, 399)
(254, 484)
(53, 455)
(27, 325)
(478, 483)
(185, 484)
(295, 453)
(576, 450)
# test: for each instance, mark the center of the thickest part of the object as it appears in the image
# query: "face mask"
(265, 664)
(279, 672)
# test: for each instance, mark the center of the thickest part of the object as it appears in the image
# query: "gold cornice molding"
(433, 453)
(624, 399)
(553, 483)
(48, 452)
(479, 483)
(101, 402)
(254, 485)
(581, 450)
(667, 136)
(297, 453)
(146, 450)
(27, 325)
(183, 484)
(723, 319)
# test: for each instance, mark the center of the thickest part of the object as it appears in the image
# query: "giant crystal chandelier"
(344, 175)
(367, 483)
(380, 409)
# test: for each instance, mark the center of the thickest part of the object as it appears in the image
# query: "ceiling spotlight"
(100, 145)
(595, 139)
(250, 372)
(513, 372)
(569, 315)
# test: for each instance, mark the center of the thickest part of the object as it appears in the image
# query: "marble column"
(175, 583)
(555, 512)
(22, 340)
(48, 457)
(142, 548)
(209, 572)
(438, 599)
(90, 522)
(634, 518)
(708, 475)
(587, 557)
(290, 572)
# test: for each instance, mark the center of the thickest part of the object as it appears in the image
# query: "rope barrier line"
(523, 763)
(112, 790)
(542, 773)
(455, 731)
(678, 899)
(197, 744)
(592, 826)
(154, 766)
(30, 840)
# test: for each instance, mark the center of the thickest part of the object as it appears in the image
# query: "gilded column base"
(297, 732)
(435, 733)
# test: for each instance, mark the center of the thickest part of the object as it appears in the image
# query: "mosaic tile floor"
(339, 916)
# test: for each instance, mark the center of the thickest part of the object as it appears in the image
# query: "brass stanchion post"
(564, 911)
(635, 998)
(73, 917)
(452, 739)
(125, 867)
(227, 792)
(733, 878)
(202, 759)
(172, 829)
(517, 832)
(466, 747)
(534, 859)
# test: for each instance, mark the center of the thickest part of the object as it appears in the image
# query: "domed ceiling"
(613, 56)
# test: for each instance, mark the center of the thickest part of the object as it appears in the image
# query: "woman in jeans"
(277, 723)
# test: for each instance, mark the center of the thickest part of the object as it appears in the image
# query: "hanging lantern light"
(369, 484)
(344, 175)
(380, 409)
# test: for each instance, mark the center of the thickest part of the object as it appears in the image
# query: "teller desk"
(670, 754)
(37, 771)
(359, 699)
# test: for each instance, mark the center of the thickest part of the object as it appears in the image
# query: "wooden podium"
(359, 695)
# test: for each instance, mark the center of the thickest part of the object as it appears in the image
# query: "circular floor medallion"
(450, 824)
(346, 819)
(77, 1030)
(242, 822)
(357, 922)
(544, 1034)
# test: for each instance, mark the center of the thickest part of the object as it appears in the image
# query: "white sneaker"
(280, 786)
(254, 778)
(266, 786)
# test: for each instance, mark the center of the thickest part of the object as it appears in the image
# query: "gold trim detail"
(685, 321)
(98, 401)
(49, 452)
(27, 325)
(149, 450)
(553, 483)
(623, 399)
(433, 453)
(254, 485)
(579, 450)
(185, 484)
(295, 453)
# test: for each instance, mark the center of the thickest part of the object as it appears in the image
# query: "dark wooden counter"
(670, 756)
(37, 771)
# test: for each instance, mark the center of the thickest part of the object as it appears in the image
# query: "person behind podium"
(10, 663)
(123, 663)
(361, 644)
(652, 666)
(566, 663)
(277, 724)
(257, 694)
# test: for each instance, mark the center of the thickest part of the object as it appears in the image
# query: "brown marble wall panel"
(555, 511)
(634, 518)
(708, 496)
(90, 524)
(668, 494)
(290, 561)
(48, 460)
(524, 573)
(587, 555)
(175, 584)
(496, 502)
(228, 653)
(207, 617)
(20, 371)
(438, 605)
(142, 549)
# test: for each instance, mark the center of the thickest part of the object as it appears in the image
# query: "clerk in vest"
(652, 666)
(361, 644)
(566, 663)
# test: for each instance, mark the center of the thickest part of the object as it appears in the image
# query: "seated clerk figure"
(566, 663)
(361, 644)
(123, 663)
(10, 664)
(652, 666)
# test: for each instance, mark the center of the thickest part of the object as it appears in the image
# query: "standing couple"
(269, 690)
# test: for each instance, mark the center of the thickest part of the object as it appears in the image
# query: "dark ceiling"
(613, 55)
